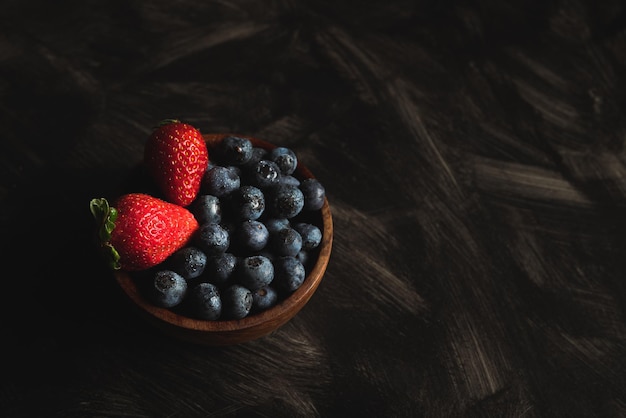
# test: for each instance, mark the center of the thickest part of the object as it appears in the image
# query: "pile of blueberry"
(257, 237)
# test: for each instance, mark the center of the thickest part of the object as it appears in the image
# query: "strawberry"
(176, 157)
(141, 231)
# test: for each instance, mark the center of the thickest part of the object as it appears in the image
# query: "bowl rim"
(273, 317)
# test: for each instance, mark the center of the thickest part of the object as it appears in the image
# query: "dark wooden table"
(473, 154)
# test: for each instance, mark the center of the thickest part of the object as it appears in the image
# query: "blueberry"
(267, 253)
(247, 202)
(265, 173)
(285, 158)
(289, 274)
(206, 208)
(311, 235)
(276, 224)
(189, 262)
(204, 301)
(251, 236)
(289, 180)
(258, 154)
(264, 298)
(303, 257)
(286, 241)
(212, 238)
(235, 169)
(168, 288)
(234, 150)
(220, 268)
(255, 271)
(285, 201)
(314, 194)
(236, 301)
(220, 181)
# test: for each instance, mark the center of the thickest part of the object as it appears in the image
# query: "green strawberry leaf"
(105, 216)
(112, 256)
(166, 122)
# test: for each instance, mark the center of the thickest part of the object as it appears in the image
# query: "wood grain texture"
(473, 153)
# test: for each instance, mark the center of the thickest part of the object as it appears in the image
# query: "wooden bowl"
(256, 325)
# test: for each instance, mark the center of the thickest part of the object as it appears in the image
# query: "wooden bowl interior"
(227, 332)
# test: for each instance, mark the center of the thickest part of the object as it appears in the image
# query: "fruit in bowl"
(218, 238)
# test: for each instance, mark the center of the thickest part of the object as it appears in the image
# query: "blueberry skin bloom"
(286, 201)
(265, 173)
(234, 150)
(252, 236)
(248, 202)
(311, 235)
(236, 302)
(314, 194)
(205, 301)
(285, 158)
(258, 154)
(264, 298)
(168, 288)
(212, 238)
(276, 224)
(220, 268)
(207, 208)
(220, 181)
(189, 262)
(290, 180)
(255, 272)
(289, 274)
(286, 241)
(304, 257)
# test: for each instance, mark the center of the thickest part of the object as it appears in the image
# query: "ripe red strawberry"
(176, 157)
(141, 231)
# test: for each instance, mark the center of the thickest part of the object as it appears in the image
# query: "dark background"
(473, 155)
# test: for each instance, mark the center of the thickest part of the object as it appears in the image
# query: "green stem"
(105, 216)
